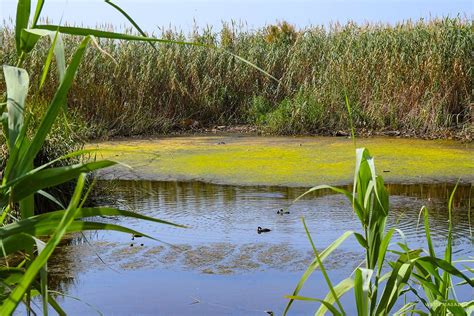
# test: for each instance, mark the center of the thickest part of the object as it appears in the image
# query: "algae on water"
(286, 161)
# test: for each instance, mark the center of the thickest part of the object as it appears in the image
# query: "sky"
(183, 14)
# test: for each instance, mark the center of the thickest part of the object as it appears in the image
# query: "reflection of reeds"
(414, 77)
(137, 190)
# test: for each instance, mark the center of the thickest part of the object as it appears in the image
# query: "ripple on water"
(222, 238)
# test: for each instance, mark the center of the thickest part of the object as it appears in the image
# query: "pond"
(224, 187)
(220, 265)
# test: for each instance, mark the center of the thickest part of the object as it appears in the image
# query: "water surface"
(220, 265)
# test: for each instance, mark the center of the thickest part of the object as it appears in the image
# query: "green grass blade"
(40, 223)
(55, 106)
(430, 271)
(341, 288)
(245, 61)
(22, 17)
(327, 305)
(314, 265)
(17, 82)
(431, 250)
(12, 169)
(453, 306)
(10, 304)
(55, 305)
(430, 289)
(14, 243)
(357, 206)
(129, 18)
(398, 278)
(51, 198)
(80, 226)
(27, 206)
(408, 308)
(59, 54)
(79, 300)
(44, 166)
(107, 211)
(29, 38)
(447, 267)
(449, 251)
(323, 269)
(361, 290)
(361, 156)
(360, 300)
(323, 187)
(39, 8)
(53, 176)
(383, 250)
(361, 240)
(349, 112)
(49, 58)
(43, 279)
(81, 31)
(120, 36)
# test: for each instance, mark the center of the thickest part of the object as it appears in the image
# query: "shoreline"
(462, 136)
(284, 161)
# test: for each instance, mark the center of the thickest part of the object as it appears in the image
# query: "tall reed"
(24, 235)
(418, 282)
(414, 77)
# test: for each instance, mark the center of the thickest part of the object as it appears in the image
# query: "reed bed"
(413, 77)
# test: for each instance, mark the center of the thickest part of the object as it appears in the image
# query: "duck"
(136, 236)
(263, 230)
(281, 212)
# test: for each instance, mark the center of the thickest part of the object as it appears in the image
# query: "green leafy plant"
(379, 284)
(23, 233)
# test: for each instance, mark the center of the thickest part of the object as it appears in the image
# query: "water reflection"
(222, 238)
(231, 213)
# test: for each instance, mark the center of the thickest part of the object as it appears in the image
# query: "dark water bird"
(262, 230)
(281, 212)
(136, 236)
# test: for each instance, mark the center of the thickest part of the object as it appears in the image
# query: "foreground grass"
(413, 77)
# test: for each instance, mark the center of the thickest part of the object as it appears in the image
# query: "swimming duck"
(136, 236)
(281, 212)
(262, 230)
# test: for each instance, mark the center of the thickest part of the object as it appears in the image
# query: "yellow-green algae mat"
(285, 161)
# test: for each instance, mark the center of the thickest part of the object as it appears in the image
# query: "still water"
(219, 265)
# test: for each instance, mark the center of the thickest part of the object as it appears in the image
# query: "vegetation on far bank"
(413, 78)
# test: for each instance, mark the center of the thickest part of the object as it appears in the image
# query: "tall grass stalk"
(379, 283)
(23, 227)
(413, 77)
